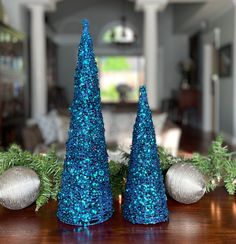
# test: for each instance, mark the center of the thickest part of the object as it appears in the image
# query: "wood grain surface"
(211, 220)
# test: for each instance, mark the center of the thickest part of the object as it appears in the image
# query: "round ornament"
(19, 188)
(185, 183)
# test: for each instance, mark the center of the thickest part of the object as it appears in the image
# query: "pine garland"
(167, 160)
(118, 173)
(230, 178)
(214, 165)
(219, 166)
(48, 168)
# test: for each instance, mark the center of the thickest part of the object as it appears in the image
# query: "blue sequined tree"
(145, 200)
(85, 197)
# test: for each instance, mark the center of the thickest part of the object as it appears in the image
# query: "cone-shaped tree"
(85, 197)
(145, 200)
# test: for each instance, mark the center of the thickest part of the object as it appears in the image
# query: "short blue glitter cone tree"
(145, 200)
(85, 197)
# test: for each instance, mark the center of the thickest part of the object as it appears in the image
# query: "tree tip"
(85, 23)
(142, 90)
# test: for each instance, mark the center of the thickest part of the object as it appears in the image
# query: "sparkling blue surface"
(85, 197)
(145, 200)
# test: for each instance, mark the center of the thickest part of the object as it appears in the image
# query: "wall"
(173, 47)
(226, 105)
(100, 15)
(66, 66)
(184, 12)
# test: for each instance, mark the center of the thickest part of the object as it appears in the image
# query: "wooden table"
(211, 220)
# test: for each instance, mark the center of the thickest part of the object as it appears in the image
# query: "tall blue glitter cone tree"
(145, 200)
(85, 197)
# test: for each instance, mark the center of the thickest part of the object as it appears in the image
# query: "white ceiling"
(67, 8)
(202, 10)
(207, 13)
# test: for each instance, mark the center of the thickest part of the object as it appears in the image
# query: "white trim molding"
(158, 5)
(49, 5)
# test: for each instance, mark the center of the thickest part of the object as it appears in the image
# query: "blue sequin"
(85, 197)
(145, 200)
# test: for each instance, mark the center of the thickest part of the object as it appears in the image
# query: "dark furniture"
(184, 106)
(12, 85)
(211, 220)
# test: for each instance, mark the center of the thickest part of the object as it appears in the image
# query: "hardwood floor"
(211, 220)
(195, 140)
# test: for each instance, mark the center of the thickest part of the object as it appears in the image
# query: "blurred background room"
(183, 50)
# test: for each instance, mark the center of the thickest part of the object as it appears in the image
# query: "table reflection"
(216, 212)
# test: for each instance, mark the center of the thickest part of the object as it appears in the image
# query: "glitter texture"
(85, 197)
(145, 200)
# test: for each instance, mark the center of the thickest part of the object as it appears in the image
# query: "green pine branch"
(218, 166)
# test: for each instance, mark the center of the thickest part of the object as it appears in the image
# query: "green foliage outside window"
(110, 94)
(115, 64)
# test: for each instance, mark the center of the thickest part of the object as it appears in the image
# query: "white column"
(207, 98)
(151, 46)
(39, 90)
(151, 53)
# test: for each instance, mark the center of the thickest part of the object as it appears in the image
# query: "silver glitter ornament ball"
(185, 183)
(19, 188)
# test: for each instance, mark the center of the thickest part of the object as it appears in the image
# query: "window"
(119, 34)
(120, 77)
